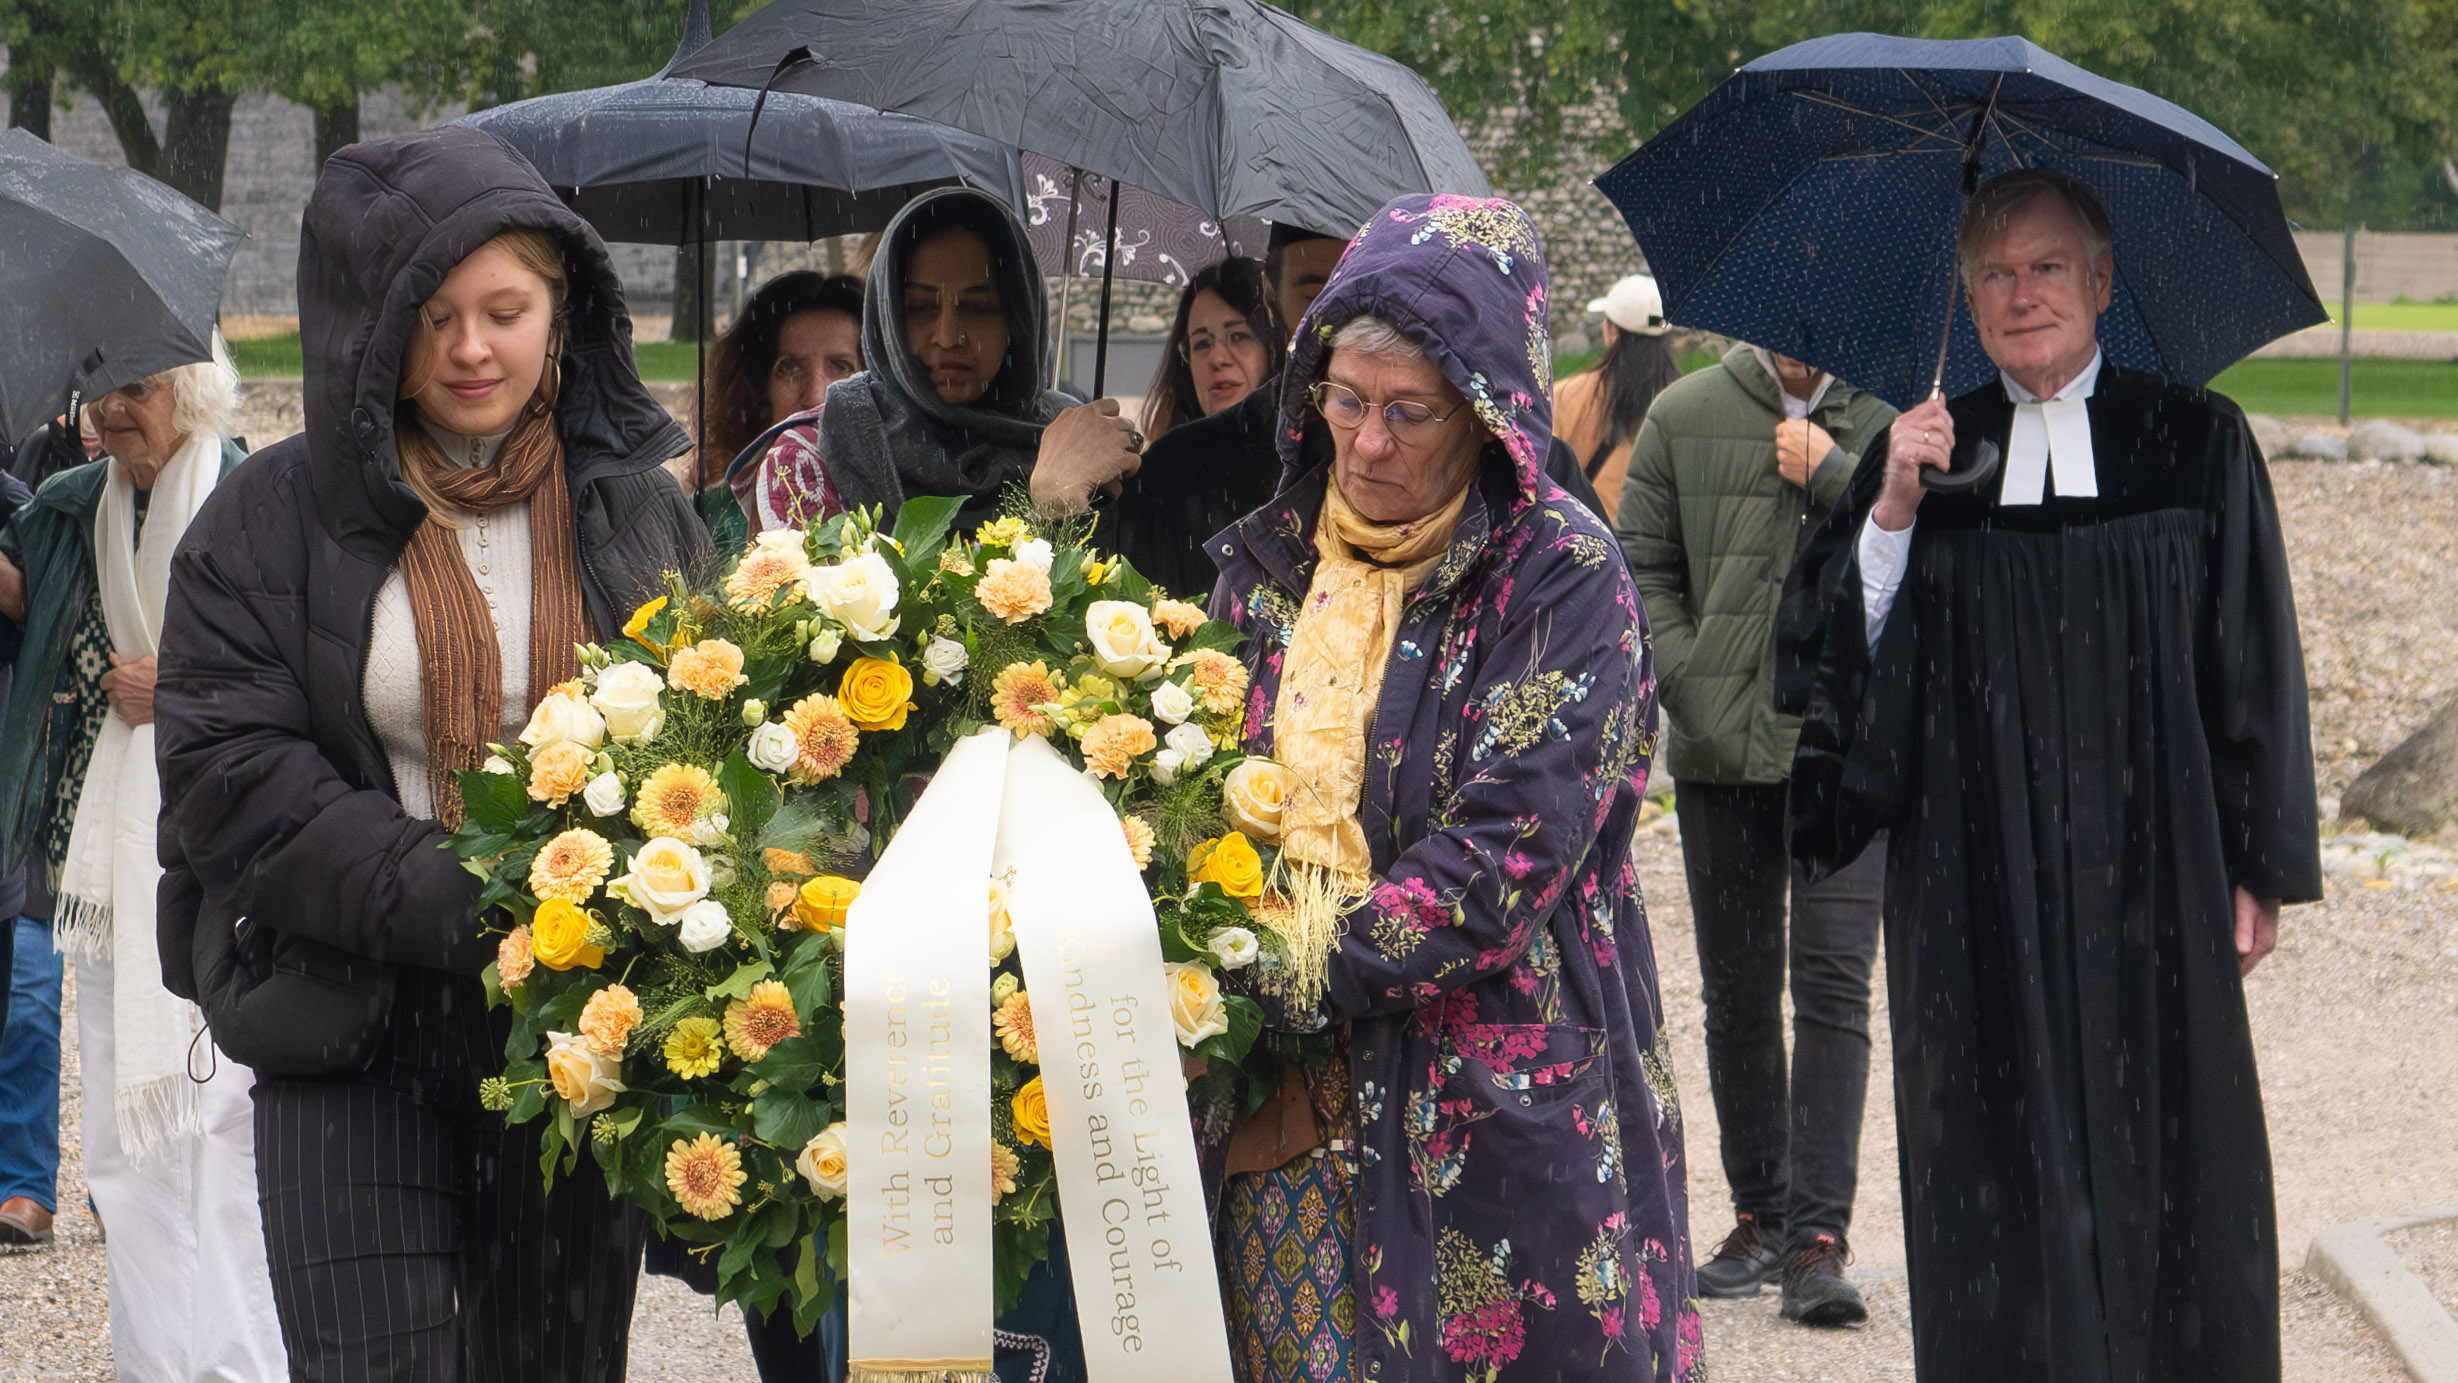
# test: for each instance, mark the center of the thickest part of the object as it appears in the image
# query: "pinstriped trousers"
(406, 1229)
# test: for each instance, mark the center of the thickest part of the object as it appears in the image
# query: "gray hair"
(205, 394)
(1367, 334)
(1995, 203)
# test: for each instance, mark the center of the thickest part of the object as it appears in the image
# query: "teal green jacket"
(51, 540)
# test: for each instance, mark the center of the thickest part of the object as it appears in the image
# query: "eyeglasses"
(1236, 341)
(1409, 422)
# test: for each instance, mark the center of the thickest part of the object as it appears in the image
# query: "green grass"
(2389, 388)
(279, 357)
(2402, 316)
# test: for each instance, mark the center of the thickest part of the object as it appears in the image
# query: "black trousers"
(405, 1228)
(1791, 1146)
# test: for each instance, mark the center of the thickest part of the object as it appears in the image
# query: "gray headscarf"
(885, 433)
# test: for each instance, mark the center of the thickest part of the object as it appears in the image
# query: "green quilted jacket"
(1710, 529)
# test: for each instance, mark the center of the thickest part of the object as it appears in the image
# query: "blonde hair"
(541, 253)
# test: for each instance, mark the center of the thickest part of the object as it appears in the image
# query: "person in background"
(481, 486)
(1222, 346)
(1733, 465)
(169, 1150)
(31, 977)
(769, 373)
(952, 400)
(1598, 412)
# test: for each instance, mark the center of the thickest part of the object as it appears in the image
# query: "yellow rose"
(1124, 643)
(638, 624)
(1195, 1006)
(1252, 792)
(559, 937)
(822, 1162)
(587, 1080)
(558, 771)
(667, 876)
(1230, 862)
(1002, 923)
(876, 694)
(1032, 1114)
(823, 902)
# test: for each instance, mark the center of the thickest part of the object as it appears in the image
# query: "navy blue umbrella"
(1809, 204)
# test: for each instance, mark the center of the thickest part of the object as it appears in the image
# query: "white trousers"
(191, 1299)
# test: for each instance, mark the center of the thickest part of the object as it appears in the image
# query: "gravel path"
(2356, 1018)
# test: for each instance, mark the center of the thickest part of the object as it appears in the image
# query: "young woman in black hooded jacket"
(355, 615)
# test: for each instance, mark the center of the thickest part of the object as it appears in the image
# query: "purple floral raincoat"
(1520, 1204)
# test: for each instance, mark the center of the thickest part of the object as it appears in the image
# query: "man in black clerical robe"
(2074, 699)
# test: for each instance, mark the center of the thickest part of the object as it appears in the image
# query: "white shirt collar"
(2079, 387)
(1793, 407)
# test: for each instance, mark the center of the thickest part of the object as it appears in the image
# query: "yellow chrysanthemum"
(674, 797)
(824, 734)
(955, 561)
(706, 1176)
(608, 1018)
(1014, 1025)
(1139, 839)
(638, 624)
(1005, 1167)
(1004, 531)
(694, 1048)
(760, 1021)
(571, 866)
(1019, 688)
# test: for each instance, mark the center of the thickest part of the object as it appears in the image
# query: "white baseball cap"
(1634, 305)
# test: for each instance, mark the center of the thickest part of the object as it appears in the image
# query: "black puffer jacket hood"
(294, 886)
(388, 220)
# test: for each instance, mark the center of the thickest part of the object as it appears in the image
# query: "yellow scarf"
(1329, 686)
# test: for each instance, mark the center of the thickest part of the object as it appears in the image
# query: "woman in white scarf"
(168, 1141)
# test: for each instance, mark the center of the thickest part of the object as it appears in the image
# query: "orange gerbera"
(1014, 1025)
(672, 798)
(1218, 680)
(706, 1176)
(1139, 839)
(571, 866)
(760, 1021)
(767, 569)
(1005, 1167)
(825, 736)
(1015, 692)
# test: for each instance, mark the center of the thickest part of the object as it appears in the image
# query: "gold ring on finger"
(1925, 436)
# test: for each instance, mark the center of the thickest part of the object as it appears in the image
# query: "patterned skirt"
(1285, 1240)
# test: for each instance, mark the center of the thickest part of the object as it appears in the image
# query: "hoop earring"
(550, 383)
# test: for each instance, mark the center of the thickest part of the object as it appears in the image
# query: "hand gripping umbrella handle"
(1962, 480)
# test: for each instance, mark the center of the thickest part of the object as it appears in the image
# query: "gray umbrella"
(1229, 106)
(673, 161)
(109, 277)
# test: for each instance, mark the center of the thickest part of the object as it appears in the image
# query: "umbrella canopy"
(1158, 240)
(1809, 205)
(109, 277)
(1228, 106)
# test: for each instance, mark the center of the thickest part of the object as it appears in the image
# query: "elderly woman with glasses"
(1450, 668)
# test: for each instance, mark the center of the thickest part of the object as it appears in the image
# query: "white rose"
(822, 1162)
(944, 660)
(495, 763)
(859, 593)
(587, 1081)
(1165, 766)
(709, 829)
(705, 926)
(1193, 745)
(1235, 947)
(1172, 703)
(628, 697)
(1252, 794)
(1035, 552)
(666, 877)
(1124, 642)
(1194, 1002)
(773, 749)
(824, 645)
(604, 795)
(564, 717)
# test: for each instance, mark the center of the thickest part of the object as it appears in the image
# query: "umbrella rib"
(1829, 99)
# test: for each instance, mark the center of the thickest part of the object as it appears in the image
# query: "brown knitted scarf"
(461, 676)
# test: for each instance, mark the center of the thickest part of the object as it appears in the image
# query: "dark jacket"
(1202, 476)
(51, 539)
(1520, 1212)
(1710, 527)
(294, 882)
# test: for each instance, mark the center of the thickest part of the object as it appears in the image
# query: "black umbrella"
(109, 277)
(1231, 107)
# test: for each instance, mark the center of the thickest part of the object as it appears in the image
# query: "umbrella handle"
(1962, 481)
(1109, 264)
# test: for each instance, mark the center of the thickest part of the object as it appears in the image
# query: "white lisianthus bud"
(604, 795)
(1004, 988)
(824, 645)
(1234, 947)
(1165, 767)
(1172, 703)
(495, 763)
(754, 711)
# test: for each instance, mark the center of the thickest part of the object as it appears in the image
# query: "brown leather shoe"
(23, 1224)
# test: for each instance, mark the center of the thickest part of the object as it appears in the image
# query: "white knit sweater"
(496, 547)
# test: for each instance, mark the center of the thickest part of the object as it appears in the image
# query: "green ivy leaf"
(797, 1063)
(738, 985)
(787, 1118)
